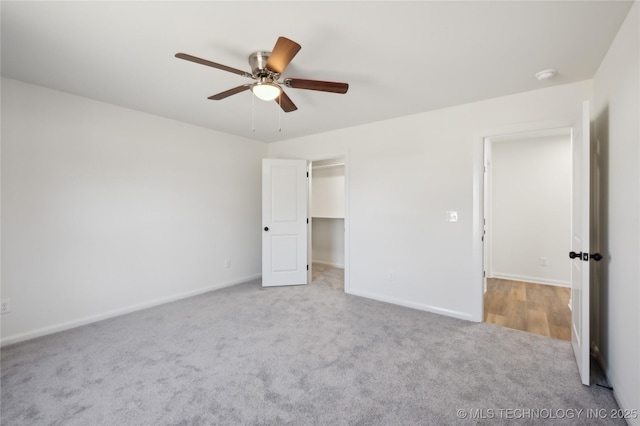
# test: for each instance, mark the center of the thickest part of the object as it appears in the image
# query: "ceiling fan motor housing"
(258, 64)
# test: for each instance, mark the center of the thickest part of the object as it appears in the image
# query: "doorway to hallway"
(528, 195)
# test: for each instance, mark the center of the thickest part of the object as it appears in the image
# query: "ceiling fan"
(266, 70)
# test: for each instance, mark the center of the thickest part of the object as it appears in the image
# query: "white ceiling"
(399, 58)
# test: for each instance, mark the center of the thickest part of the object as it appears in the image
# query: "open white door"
(284, 221)
(580, 244)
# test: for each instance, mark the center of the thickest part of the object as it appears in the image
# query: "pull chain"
(280, 113)
(253, 113)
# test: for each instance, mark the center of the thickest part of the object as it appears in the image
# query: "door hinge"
(307, 267)
(307, 220)
(307, 174)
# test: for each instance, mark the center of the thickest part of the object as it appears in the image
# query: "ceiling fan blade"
(283, 52)
(322, 86)
(286, 103)
(187, 57)
(229, 92)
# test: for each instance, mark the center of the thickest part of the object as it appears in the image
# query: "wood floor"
(536, 308)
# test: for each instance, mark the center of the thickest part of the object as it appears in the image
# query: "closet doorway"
(327, 222)
(527, 237)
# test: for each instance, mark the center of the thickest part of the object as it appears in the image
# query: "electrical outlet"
(5, 306)
(544, 261)
(390, 275)
(227, 263)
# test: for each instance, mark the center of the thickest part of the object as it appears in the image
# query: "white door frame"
(488, 181)
(477, 311)
(329, 156)
(581, 351)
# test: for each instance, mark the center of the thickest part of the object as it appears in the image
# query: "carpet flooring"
(303, 355)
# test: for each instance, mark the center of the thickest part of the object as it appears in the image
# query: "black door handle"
(585, 256)
(266, 228)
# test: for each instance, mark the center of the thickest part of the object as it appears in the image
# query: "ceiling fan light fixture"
(266, 90)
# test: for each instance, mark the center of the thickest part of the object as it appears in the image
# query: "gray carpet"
(291, 355)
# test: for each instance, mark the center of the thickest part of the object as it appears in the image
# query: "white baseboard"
(32, 334)
(534, 280)
(335, 265)
(622, 399)
(419, 306)
(625, 403)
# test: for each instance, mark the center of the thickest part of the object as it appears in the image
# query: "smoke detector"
(546, 74)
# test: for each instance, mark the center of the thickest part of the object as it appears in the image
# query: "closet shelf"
(324, 166)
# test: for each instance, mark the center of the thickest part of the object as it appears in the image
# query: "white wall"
(328, 241)
(327, 189)
(405, 173)
(530, 184)
(106, 210)
(616, 128)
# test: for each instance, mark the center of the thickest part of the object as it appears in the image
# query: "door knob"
(266, 228)
(574, 255)
(596, 256)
